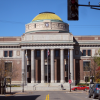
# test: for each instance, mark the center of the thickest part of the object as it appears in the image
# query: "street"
(53, 95)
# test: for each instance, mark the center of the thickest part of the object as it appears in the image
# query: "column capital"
(23, 49)
(71, 48)
(42, 49)
(32, 49)
(62, 48)
(52, 49)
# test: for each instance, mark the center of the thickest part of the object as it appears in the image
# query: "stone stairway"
(41, 87)
(46, 86)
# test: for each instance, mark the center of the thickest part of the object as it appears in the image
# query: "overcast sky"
(14, 14)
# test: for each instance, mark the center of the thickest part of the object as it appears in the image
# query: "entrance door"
(49, 74)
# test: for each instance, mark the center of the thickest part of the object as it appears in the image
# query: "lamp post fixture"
(23, 82)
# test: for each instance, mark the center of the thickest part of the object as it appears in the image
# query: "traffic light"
(72, 9)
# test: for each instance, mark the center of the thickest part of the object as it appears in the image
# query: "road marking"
(47, 97)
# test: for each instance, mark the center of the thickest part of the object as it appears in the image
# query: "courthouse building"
(47, 52)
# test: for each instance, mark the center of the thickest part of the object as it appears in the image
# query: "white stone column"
(32, 67)
(25, 67)
(71, 64)
(52, 66)
(42, 66)
(62, 66)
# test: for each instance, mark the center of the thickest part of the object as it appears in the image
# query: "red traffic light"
(72, 9)
(72, 1)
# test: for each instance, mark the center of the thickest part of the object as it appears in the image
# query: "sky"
(14, 14)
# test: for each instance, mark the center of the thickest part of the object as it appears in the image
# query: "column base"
(62, 81)
(36, 81)
(52, 81)
(42, 81)
(55, 81)
(32, 82)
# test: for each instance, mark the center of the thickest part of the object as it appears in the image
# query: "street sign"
(70, 81)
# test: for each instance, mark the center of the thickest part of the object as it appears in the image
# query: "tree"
(86, 66)
(95, 63)
(8, 70)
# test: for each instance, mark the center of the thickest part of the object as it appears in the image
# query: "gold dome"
(47, 15)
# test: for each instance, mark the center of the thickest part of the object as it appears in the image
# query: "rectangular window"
(86, 79)
(84, 52)
(5, 53)
(8, 67)
(37, 53)
(89, 52)
(57, 53)
(86, 65)
(66, 67)
(10, 53)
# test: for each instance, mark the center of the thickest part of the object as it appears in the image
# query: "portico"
(68, 53)
(54, 72)
(54, 35)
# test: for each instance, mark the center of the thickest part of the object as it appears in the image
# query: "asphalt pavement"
(41, 95)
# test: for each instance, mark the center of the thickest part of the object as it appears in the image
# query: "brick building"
(48, 33)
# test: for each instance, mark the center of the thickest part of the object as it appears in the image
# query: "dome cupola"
(47, 21)
(47, 16)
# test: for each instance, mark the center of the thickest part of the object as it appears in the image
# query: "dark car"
(99, 96)
(94, 90)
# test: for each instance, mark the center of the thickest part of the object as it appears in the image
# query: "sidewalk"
(30, 92)
(17, 92)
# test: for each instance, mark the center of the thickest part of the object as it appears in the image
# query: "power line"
(84, 25)
(13, 22)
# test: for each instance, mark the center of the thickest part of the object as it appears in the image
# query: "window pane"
(86, 79)
(84, 52)
(38, 53)
(57, 53)
(66, 67)
(10, 53)
(5, 53)
(89, 52)
(8, 67)
(86, 66)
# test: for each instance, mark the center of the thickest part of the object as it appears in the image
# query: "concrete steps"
(47, 86)
(41, 87)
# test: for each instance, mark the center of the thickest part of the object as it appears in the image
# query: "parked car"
(94, 90)
(99, 96)
(80, 87)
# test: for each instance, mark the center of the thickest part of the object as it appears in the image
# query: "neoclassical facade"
(48, 53)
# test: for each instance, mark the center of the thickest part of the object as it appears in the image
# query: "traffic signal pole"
(91, 6)
(73, 9)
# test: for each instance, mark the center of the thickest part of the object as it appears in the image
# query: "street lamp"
(23, 82)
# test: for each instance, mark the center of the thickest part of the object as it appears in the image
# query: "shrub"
(82, 84)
